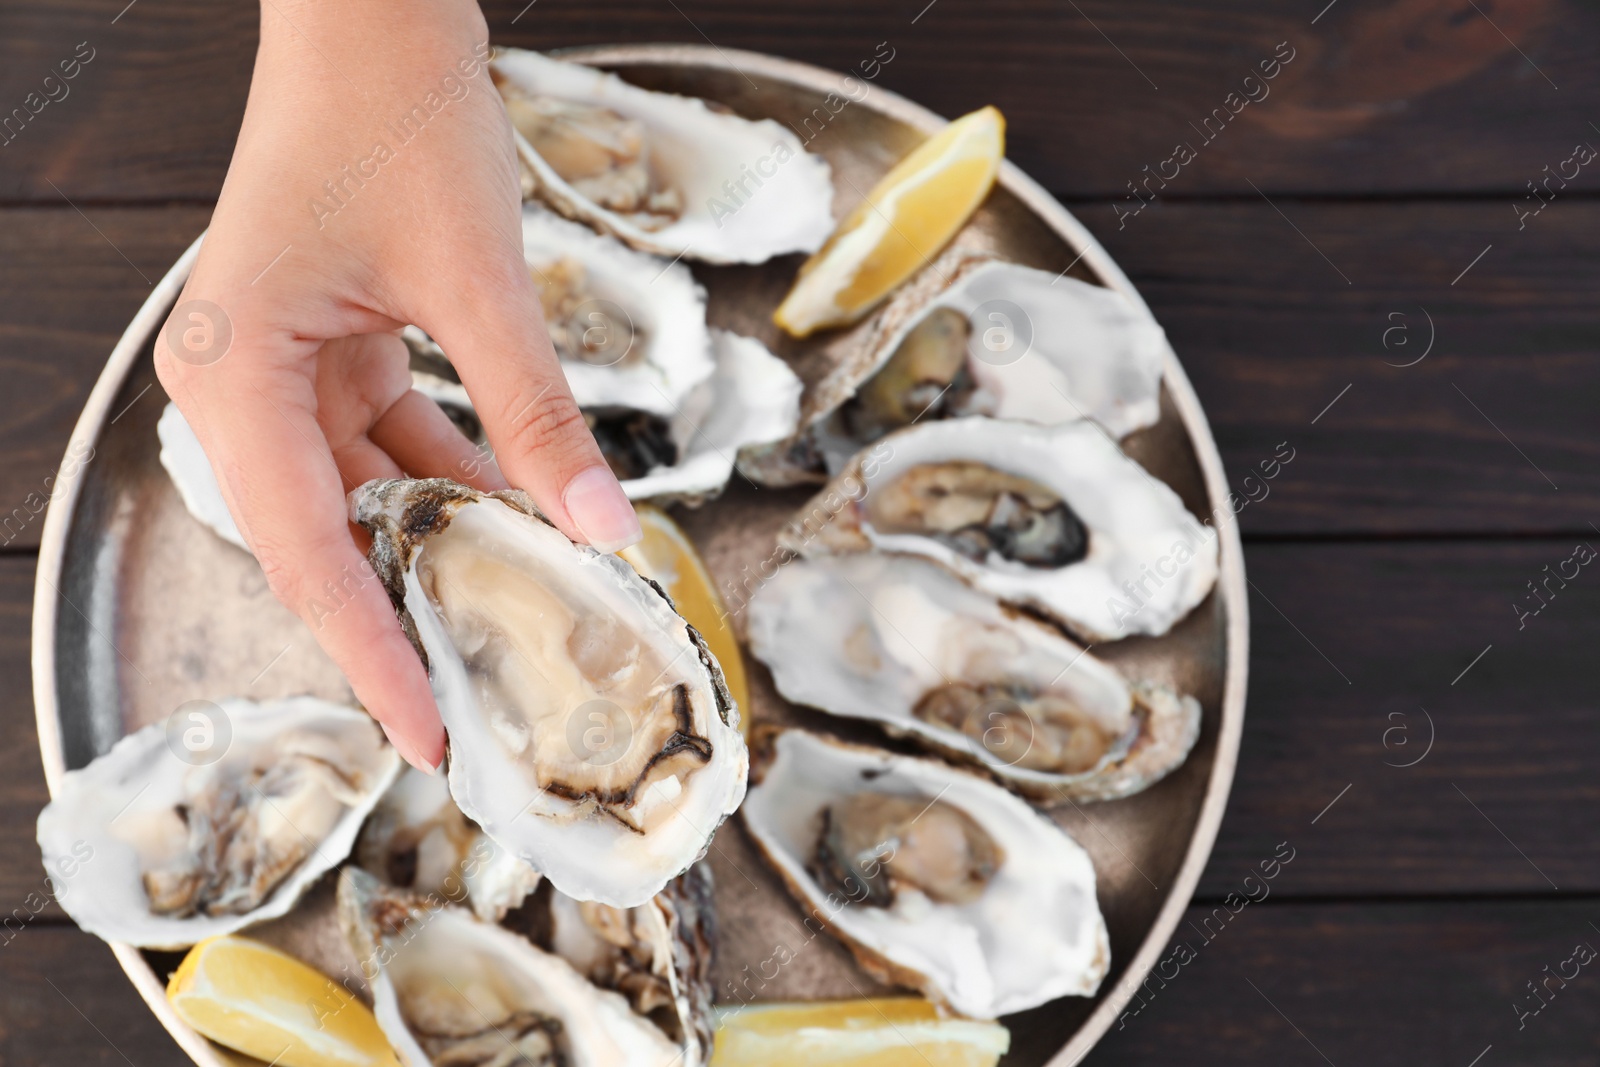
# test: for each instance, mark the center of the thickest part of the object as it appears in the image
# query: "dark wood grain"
(1354, 648)
(1474, 438)
(67, 1002)
(69, 284)
(1378, 98)
(1462, 442)
(1391, 985)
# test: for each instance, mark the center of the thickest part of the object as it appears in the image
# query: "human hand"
(374, 184)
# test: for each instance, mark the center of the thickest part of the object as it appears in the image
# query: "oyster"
(972, 335)
(932, 877)
(665, 173)
(452, 991)
(630, 330)
(590, 732)
(417, 839)
(159, 850)
(752, 399)
(903, 642)
(1055, 518)
(658, 955)
(191, 474)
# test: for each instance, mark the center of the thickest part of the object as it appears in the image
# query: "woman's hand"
(374, 184)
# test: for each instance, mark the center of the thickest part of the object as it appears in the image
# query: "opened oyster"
(629, 329)
(213, 821)
(973, 335)
(1055, 518)
(667, 174)
(417, 839)
(590, 732)
(191, 474)
(903, 642)
(452, 991)
(658, 955)
(934, 878)
(752, 399)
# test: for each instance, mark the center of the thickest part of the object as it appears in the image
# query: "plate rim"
(1230, 586)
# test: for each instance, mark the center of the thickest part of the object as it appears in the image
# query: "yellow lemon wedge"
(267, 1004)
(885, 1032)
(667, 557)
(902, 224)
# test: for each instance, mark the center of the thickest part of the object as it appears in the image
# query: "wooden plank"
(1356, 649)
(1428, 96)
(67, 1001)
(23, 886)
(1475, 437)
(1391, 985)
(69, 284)
(1461, 442)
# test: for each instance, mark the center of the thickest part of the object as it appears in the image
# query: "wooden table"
(1349, 270)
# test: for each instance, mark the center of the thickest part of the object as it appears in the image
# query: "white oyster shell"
(192, 476)
(868, 636)
(590, 732)
(665, 308)
(657, 954)
(752, 399)
(784, 205)
(117, 818)
(1033, 935)
(437, 968)
(1149, 562)
(417, 839)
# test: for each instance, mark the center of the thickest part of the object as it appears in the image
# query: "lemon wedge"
(902, 224)
(885, 1032)
(667, 557)
(262, 1002)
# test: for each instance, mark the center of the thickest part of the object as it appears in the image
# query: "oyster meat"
(1054, 518)
(160, 843)
(973, 335)
(933, 878)
(590, 732)
(903, 642)
(417, 839)
(450, 990)
(665, 173)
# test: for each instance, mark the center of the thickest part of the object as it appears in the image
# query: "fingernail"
(600, 510)
(408, 753)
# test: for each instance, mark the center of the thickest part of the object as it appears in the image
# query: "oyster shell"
(159, 851)
(450, 990)
(903, 642)
(630, 329)
(659, 955)
(665, 173)
(933, 878)
(973, 335)
(590, 732)
(191, 474)
(417, 839)
(1055, 518)
(753, 398)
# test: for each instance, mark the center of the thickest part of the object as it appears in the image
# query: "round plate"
(138, 608)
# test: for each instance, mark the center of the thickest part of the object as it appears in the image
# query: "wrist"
(338, 24)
